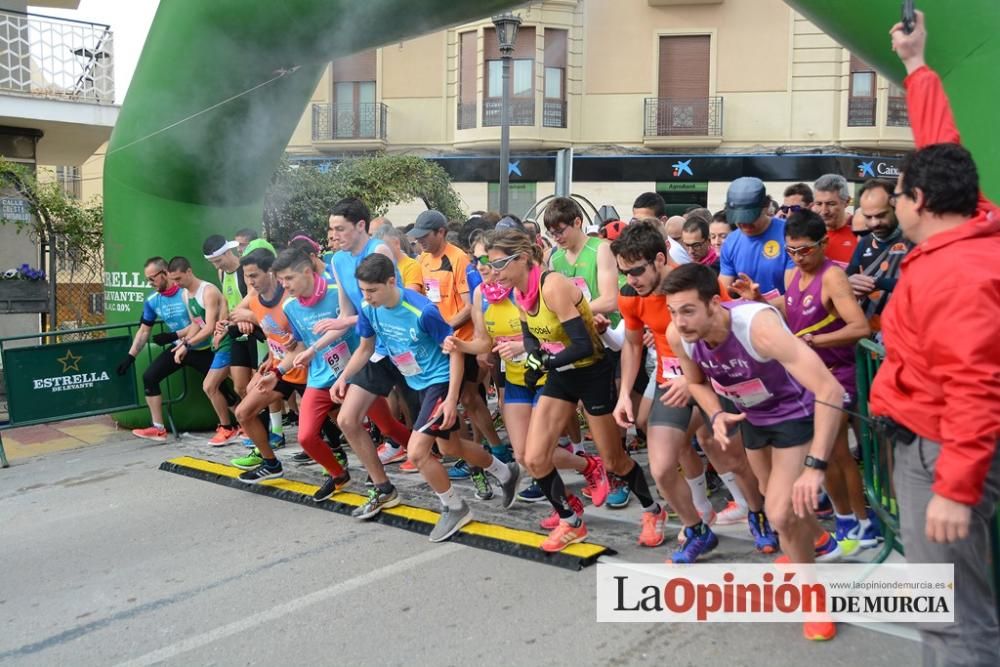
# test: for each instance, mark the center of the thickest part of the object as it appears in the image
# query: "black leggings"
(164, 366)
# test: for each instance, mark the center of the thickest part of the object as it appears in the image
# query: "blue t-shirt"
(412, 333)
(171, 310)
(346, 264)
(328, 363)
(472, 276)
(761, 257)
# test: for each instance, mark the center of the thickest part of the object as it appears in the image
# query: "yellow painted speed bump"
(489, 536)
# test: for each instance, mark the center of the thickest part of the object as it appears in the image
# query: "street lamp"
(506, 28)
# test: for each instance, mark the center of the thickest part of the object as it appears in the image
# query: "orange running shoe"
(651, 534)
(819, 631)
(552, 521)
(224, 435)
(151, 433)
(597, 480)
(563, 536)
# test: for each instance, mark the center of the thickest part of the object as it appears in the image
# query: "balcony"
(896, 113)
(466, 115)
(522, 111)
(554, 113)
(695, 121)
(56, 58)
(861, 111)
(356, 126)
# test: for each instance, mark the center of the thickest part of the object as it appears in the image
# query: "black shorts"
(594, 386)
(429, 398)
(244, 354)
(791, 433)
(380, 377)
(471, 371)
(286, 389)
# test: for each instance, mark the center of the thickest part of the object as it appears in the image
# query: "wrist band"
(711, 420)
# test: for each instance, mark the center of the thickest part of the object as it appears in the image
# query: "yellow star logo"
(70, 362)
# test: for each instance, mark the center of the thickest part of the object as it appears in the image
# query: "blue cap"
(744, 200)
(428, 221)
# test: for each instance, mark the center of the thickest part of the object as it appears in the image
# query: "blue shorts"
(223, 359)
(515, 393)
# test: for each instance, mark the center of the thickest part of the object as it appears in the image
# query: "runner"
(560, 339)
(315, 298)
(497, 325)
(165, 304)
(266, 315)
(641, 253)
(412, 330)
(206, 306)
(779, 384)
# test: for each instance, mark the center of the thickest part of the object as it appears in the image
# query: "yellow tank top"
(503, 322)
(547, 328)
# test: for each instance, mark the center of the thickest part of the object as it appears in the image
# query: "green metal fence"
(71, 374)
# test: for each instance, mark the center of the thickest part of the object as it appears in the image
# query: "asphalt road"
(108, 561)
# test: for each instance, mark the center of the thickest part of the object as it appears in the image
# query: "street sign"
(67, 380)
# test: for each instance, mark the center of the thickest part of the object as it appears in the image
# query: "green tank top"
(583, 272)
(197, 307)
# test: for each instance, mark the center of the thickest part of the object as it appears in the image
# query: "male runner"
(779, 384)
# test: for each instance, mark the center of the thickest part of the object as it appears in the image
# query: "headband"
(223, 249)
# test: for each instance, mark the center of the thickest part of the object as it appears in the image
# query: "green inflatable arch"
(221, 85)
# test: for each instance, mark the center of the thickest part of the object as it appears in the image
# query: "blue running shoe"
(247, 442)
(765, 540)
(276, 441)
(531, 494)
(459, 471)
(503, 453)
(695, 545)
(846, 528)
(870, 536)
(620, 495)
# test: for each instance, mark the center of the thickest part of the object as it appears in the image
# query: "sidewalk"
(28, 441)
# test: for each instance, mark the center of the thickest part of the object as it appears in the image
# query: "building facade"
(677, 96)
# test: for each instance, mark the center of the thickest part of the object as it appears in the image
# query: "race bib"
(582, 284)
(433, 286)
(671, 367)
(278, 350)
(516, 359)
(406, 363)
(746, 394)
(199, 321)
(337, 357)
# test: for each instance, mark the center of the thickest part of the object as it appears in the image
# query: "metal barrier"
(64, 389)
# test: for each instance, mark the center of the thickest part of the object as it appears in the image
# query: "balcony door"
(354, 111)
(683, 107)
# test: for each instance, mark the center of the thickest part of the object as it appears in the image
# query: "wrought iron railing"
(693, 116)
(53, 57)
(554, 113)
(896, 113)
(522, 111)
(466, 115)
(861, 111)
(349, 121)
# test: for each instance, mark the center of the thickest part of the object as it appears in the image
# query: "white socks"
(276, 423)
(498, 469)
(699, 494)
(729, 479)
(450, 499)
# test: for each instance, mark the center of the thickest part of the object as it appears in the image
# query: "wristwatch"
(815, 463)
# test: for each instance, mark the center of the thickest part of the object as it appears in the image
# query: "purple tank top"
(804, 311)
(761, 388)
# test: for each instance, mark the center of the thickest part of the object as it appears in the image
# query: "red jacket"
(941, 375)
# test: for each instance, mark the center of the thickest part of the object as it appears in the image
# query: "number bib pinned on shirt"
(746, 394)
(433, 286)
(670, 367)
(582, 284)
(406, 363)
(337, 357)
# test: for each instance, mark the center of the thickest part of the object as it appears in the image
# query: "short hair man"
(651, 205)
(409, 268)
(832, 196)
(695, 239)
(797, 196)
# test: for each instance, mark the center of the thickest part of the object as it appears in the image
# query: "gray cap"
(744, 200)
(427, 222)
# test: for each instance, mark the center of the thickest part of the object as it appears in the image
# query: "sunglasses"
(894, 197)
(501, 264)
(805, 250)
(794, 208)
(635, 271)
(153, 277)
(695, 246)
(483, 260)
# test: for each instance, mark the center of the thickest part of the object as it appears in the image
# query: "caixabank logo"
(877, 169)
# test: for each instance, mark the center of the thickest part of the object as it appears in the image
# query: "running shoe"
(825, 508)
(564, 535)
(826, 550)
(302, 459)
(341, 457)
(620, 496)
(331, 486)
(597, 480)
(389, 452)
(497, 421)
(765, 540)
(459, 471)
(276, 440)
(708, 518)
(250, 461)
(291, 418)
(151, 433)
(651, 533)
(695, 544)
(509, 487)
(261, 473)
(844, 528)
(223, 436)
(408, 467)
(450, 522)
(247, 442)
(551, 521)
(376, 502)
(504, 453)
(869, 537)
(531, 493)
(819, 631)
(483, 489)
(733, 514)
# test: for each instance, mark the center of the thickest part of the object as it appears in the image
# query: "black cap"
(744, 200)
(428, 221)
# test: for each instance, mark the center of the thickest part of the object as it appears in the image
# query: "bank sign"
(65, 380)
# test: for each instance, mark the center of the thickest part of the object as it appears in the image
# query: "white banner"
(770, 593)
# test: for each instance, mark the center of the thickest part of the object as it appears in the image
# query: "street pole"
(505, 136)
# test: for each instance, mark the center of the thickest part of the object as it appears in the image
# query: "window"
(522, 75)
(683, 105)
(520, 197)
(861, 104)
(554, 91)
(70, 181)
(354, 112)
(467, 80)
